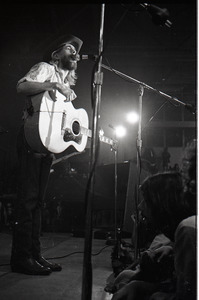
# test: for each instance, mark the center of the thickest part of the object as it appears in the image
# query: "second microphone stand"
(143, 86)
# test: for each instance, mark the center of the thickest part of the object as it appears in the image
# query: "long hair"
(72, 77)
(163, 196)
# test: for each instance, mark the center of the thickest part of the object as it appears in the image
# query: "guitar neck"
(86, 131)
(102, 138)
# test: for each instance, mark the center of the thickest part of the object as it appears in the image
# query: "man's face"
(68, 57)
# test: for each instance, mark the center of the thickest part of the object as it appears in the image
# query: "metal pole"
(115, 192)
(139, 150)
(87, 276)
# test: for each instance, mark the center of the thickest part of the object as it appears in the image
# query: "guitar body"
(55, 125)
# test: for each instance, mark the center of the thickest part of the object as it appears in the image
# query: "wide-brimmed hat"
(58, 43)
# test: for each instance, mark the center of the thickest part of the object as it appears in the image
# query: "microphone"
(159, 15)
(88, 56)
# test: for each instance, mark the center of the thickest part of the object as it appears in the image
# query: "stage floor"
(67, 284)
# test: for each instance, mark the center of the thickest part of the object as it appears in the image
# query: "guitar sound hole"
(76, 128)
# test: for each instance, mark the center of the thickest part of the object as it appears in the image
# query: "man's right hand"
(64, 90)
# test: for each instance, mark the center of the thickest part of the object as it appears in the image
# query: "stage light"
(120, 131)
(132, 117)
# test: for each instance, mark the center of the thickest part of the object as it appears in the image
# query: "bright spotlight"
(120, 131)
(132, 117)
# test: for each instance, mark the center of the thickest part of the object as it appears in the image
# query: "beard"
(68, 64)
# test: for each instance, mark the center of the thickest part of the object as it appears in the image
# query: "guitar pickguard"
(69, 136)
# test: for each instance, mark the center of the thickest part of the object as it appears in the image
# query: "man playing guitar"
(55, 75)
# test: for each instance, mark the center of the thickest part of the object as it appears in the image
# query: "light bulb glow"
(132, 117)
(120, 131)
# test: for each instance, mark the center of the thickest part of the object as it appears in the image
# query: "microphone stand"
(115, 149)
(143, 86)
(139, 150)
(97, 84)
(117, 230)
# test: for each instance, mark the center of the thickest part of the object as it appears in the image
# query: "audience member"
(169, 202)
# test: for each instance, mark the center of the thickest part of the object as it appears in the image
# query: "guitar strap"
(29, 106)
(28, 109)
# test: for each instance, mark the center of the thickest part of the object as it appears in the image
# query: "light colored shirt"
(42, 72)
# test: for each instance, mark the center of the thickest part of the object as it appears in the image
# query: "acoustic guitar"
(56, 125)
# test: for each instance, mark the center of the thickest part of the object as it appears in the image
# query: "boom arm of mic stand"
(189, 107)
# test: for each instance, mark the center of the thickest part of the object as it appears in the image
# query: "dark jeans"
(34, 170)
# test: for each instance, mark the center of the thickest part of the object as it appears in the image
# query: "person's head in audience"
(163, 205)
(169, 197)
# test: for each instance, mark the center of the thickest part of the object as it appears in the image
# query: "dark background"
(162, 57)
